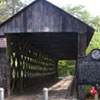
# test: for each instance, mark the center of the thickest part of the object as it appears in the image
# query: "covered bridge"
(37, 37)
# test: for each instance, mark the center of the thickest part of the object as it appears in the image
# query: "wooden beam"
(81, 52)
(3, 66)
(57, 68)
(8, 71)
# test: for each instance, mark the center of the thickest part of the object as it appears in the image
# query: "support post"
(1, 94)
(81, 52)
(96, 96)
(57, 68)
(3, 69)
(45, 94)
(8, 71)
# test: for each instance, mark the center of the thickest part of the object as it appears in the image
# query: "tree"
(14, 6)
(28, 1)
(9, 8)
(66, 67)
(95, 22)
(79, 12)
(2, 15)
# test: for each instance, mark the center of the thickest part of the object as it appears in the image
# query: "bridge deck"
(58, 91)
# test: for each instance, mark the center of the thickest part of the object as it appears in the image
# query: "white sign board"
(3, 43)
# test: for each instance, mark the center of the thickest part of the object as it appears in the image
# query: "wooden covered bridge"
(32, 42)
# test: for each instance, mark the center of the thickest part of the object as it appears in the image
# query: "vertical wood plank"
(8, 71)
(57, 68)
(3, 68)
(81, 52)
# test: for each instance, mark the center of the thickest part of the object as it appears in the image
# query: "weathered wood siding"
(3, 68)
(42, 16)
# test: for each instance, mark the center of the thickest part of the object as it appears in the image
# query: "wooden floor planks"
(58, 91)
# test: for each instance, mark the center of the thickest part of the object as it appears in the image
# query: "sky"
(93, 6)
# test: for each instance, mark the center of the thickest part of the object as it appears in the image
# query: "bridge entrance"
(33, 58)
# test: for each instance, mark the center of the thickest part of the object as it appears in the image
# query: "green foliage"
(95, 22)
(14, 6)
(9, 8)
(88, 89)
(2, 4)
(95, 43)
(79, 12)
(66, 67)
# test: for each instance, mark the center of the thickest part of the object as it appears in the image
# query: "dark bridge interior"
(59, 45)
(34, 57)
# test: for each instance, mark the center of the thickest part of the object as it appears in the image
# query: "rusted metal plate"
(3, 43)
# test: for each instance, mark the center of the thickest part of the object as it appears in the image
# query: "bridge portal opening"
(33, 58)
(66, 68)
